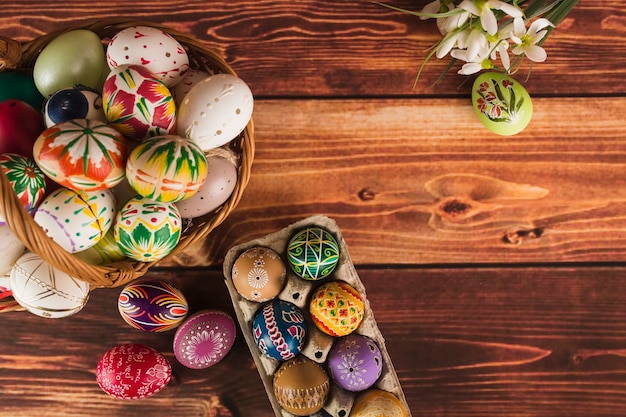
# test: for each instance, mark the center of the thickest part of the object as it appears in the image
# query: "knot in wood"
(455, 209)
(366, 194)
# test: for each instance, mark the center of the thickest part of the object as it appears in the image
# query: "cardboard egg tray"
(318, 344)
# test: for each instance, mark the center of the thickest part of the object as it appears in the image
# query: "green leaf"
(519, 105)
(496, 86)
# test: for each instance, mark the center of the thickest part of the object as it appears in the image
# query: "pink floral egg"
(137, 103)
(133, 371)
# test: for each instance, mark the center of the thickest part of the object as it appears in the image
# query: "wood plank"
(465, 342)
(347, 48)
(421, 181)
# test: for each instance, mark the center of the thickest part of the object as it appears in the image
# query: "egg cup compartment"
(318, 344)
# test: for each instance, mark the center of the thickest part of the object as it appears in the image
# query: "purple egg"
(279, 330)
(355, 362)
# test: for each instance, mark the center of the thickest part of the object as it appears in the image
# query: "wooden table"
(494, 265)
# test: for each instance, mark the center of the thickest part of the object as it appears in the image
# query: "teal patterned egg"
(147, 230)
(313, 253)
(501, 103)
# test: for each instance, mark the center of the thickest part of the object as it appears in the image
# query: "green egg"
(20, 86)
(72, 58)
(501, 103)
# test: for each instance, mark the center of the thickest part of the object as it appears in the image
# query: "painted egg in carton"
(300, 290)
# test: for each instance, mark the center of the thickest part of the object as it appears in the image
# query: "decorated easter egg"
(73, 103)
(20, 125)
(82, 154)
(313, 253)
(46, 291)
(259, 274)
(215, 111)
(20, 86)
(220, 183)
(11, 248)
(336, 308)
(104, 252)
(147, 230)
(71, 58)
(204, 339)
(76, 220)
(166, 168)
(137, 103)
(501, 103)
(133, 371)
(152, 305)
(377, 403)
(191, 78)
(355, 362)
(151, 48)
(301, 386)
(279, 329)
(26, 178)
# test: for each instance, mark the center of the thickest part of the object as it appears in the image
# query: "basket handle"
(10, 53)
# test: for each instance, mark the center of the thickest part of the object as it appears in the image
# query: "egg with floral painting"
(166, 168)
(259, 274)
(501, 103)
(76, 219)
(82, 154)
(355, 362)
(26, 179)
(147, 230)
(137, 103)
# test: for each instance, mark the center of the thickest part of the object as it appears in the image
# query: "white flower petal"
(506, 8)
(476, 43)
(488, 20)
(519, 28)
(470, 6)
(470, 68)
(535, 53)
(539, 24)
(446, 45)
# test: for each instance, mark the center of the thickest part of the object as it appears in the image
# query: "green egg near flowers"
(20, 86)
(71, 58)
(501, 103)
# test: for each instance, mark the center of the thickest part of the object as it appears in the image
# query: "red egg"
(133, 371)
(20, 125)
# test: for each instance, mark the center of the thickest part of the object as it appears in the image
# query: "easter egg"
(11, 248)
(166, 168)
(75, 219)
(46, 291)
(501, 103)
(105, 251)
(337, 308)
(25, 178)
(313, 253)
(151, 48)
(20, 125)
(215, 111)
(355, 362)
(82, 154)
(71, 58)
(204, 339)
(219, 185)
(259, 274)
(137, 103)
(377, 403)
(279, 329)
(20, 86)
(147, 230)
(152, 305)
(73, 103)
(301, 386)
(133, 371)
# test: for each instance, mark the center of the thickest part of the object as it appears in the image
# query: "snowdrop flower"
(479, 62)
(526, 41)
(483, 8)
(455, 39)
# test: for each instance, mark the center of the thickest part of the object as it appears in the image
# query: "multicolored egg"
(133, 371)
(301, 386)
(46, 291)
(152, 306)
(75, 219)
(82, 154)
(259, 274)
(73, 103)
(279, 330)
(137, 103)
(166, 168)
(313, 253)
(204, 339)
(215, 111)
(27, 180)
(337, 308)
(147, 230)
(377, 403)
(355, 362)
(104, 252)
(151, 48)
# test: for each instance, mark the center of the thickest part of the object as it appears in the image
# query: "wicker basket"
(21, 57)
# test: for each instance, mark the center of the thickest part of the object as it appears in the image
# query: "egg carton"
(318, 344)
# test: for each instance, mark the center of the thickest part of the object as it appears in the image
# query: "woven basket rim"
(122, 272)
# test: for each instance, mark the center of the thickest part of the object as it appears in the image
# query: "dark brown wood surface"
(494, 265)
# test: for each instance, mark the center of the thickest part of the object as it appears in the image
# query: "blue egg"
(73, 103)
(279, 330)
